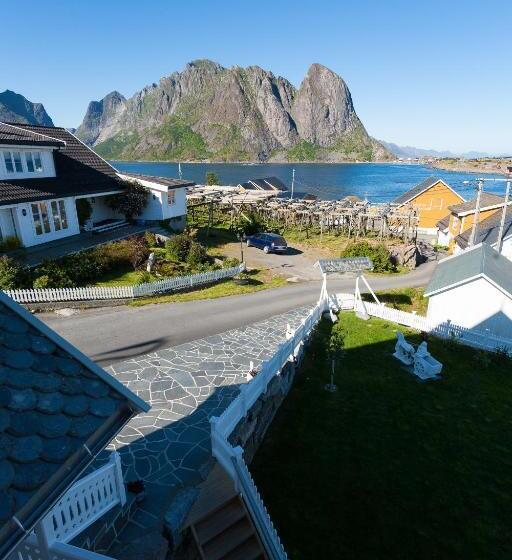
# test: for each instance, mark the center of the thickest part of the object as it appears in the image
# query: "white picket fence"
(122, 292)
(476, 338)
(231, 458)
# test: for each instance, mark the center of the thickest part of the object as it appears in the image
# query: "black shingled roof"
(79, 171)
(417, 190)
(55, 405)
(167, 181)
(15, 134)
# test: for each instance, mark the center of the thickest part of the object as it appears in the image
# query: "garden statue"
(425, 366)
(151, 262)
(403, 350)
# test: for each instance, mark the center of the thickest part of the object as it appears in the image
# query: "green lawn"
(259, 280)
(387, 467)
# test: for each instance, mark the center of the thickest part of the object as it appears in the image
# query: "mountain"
(208, 112)
(16, 108)
(412, 152)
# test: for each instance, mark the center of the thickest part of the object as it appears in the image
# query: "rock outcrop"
(18, 109)
(231, 114)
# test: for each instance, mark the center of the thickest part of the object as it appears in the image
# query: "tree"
(131, 202)
(212, 178)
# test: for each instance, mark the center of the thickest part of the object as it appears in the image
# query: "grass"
(404, 299)
(386, 467)
(121, 277)
(260, 280)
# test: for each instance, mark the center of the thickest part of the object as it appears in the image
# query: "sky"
(431, 74)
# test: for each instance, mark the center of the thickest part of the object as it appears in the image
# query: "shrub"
(230, 262)
(131, 202)
(56, 273)
(10, 243)
(139, 252)
(251, 223)
(150, 238)
(144, 277)
(41, 282)
(212, 178)
(178, 247)
(11, 274)
(197, 254)
(378, 254)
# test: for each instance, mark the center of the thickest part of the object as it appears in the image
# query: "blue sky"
(435, 74)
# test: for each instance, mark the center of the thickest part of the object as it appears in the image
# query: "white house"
(45, 170)
(473, 289)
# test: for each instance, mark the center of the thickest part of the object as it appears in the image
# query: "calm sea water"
(378, 182)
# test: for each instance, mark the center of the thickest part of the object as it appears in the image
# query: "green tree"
(212, 178)
(131, 202)
(11, 274)
(378, 254)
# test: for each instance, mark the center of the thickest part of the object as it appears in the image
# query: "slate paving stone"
(170, 446)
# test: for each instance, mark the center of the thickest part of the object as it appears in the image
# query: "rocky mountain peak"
(100, 115)
(14, 107)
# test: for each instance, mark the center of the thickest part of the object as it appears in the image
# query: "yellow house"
(462, 216)
(432, 199)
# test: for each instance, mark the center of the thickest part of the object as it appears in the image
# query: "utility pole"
(293, 183)
(477, 213)
(499, 246)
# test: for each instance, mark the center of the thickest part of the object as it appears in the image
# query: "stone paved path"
(170, 445)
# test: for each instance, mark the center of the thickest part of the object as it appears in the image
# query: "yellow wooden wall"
(433, 203)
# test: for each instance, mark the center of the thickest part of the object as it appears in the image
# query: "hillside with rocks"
(18, 109)
(208, 112)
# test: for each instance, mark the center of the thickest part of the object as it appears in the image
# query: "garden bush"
(196, 255)
(12, 275)
(230, 262)
(178, 247)
(144, 277)
(150, 238)
(378, 254)
(131, 202)
(10, 243)
(41, 282)
(56, 273)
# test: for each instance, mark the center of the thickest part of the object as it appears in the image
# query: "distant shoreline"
(253, 163)
(469, 167)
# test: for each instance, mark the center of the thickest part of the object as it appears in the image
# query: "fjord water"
(378, 182)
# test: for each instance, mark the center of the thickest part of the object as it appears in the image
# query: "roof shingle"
(55, 405)
(486, 200)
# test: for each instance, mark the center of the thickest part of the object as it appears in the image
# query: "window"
(9, 166)
(171, 197)
(16, 156)
(20, 162)
(41, 218)
(59, 215)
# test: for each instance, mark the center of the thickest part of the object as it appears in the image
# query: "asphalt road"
(113, 334)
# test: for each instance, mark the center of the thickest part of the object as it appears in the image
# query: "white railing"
(471, 337)
(86, 501)
(222, 427)
(122, 292)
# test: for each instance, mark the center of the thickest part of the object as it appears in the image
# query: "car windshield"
(278, 240)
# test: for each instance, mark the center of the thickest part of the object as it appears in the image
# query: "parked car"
(269, 242)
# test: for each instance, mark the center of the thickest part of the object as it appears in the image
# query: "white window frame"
(171, 197)
(24, 159)
(49, 213)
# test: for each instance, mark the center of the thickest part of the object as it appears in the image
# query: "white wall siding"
(100, 210)
(477, 304)
(26, 229)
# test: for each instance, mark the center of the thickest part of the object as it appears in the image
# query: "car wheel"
(266, 249)
(248, 243)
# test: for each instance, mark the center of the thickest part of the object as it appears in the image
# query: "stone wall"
(250, 431)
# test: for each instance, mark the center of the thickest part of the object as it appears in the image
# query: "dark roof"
(15, 134)
(167, 181)
(55, 405)
(487, 230)
(417, 190)
(480, 260)
(276, 183)
(261, 184)
(78, 170)
(444, 223)
(486, 200)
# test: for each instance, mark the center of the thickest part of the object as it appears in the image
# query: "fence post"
(115, 459)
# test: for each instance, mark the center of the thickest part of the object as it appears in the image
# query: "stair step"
(219, 521)
(228, 540)
(248, 550)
